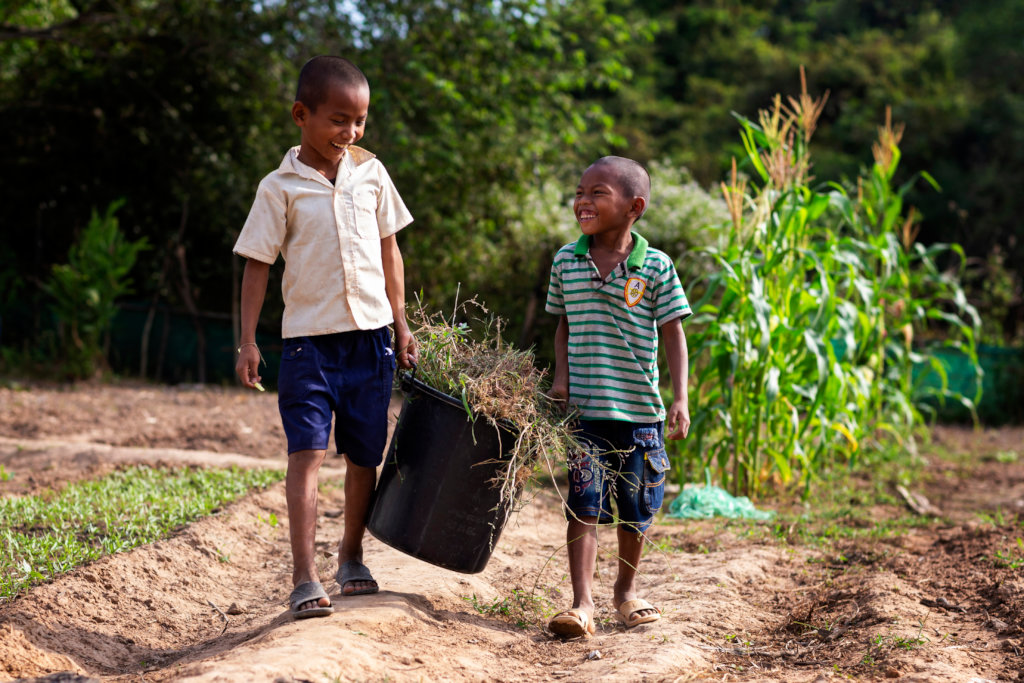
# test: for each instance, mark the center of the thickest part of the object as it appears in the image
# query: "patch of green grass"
(4, 474)
(1006, 456)
(521, 608)
(909, 643)
(1010, 559)
(823, 528)
(998, 519)
(48, 535)
(327, 485)
(270, 520)
(882, 643)
(735, 639)
(846, 506)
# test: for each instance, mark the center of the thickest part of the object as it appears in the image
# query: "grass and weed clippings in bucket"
(496, 382)
(475, 427)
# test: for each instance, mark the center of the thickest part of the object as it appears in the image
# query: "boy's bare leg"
(581, 537)
(301, 493)
(359, 484)
(631, 546)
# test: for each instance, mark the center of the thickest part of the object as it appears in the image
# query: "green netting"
(173, 354)
(704, 502)
(1002, 383)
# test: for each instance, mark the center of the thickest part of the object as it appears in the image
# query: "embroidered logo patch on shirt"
(634, 291)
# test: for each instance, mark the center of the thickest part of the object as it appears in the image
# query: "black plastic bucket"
(436, 498)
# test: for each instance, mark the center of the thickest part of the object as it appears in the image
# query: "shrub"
(86, 288)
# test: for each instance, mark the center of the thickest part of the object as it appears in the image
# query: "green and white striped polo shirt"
(613, 328)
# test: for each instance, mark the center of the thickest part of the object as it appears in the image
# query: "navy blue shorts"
(624, 462)
(347, 376)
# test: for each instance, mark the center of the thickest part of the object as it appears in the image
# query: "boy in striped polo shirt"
(614, 295)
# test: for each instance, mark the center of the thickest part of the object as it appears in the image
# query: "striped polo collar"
(636, 258)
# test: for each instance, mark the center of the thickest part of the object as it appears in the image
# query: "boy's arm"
(394, 284)
(254, 290)
(678, 421)
(560, 380)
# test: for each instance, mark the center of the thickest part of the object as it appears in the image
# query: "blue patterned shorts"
(623, 462)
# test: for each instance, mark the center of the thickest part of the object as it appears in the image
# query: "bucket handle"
(408, 377)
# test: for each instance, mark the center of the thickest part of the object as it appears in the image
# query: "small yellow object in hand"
(258, 386)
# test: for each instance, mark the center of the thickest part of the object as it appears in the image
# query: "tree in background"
(989, 145)
(480, 110)
(183, 106)
(474, 110)
(950, 70)
(173, 105)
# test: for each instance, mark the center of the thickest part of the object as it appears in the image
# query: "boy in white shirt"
(331, 211)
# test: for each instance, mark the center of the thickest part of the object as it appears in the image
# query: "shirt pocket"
(364, 205)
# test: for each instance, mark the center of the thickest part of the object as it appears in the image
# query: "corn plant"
(805, 331)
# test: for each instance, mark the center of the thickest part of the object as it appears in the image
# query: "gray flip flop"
(309, 592)
(352, 571)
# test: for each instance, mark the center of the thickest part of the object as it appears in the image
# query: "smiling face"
(336, 123)
(601, 205)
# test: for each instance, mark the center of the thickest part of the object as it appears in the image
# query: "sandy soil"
(740, 603)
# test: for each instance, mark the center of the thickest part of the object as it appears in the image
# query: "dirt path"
(741, 602)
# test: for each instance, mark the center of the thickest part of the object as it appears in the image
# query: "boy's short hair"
(634, 181)
(320, 72)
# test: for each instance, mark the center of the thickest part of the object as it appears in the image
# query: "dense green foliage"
(485, 113)
(48, 535)
(817, 298)
(181, 107)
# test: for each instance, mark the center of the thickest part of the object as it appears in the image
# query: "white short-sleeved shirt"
(613, 328)
(329, 236)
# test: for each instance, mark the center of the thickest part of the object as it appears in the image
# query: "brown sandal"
(572, 623)
(629, 613)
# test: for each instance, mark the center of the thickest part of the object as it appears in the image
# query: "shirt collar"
(636, 257)
(354, 156)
